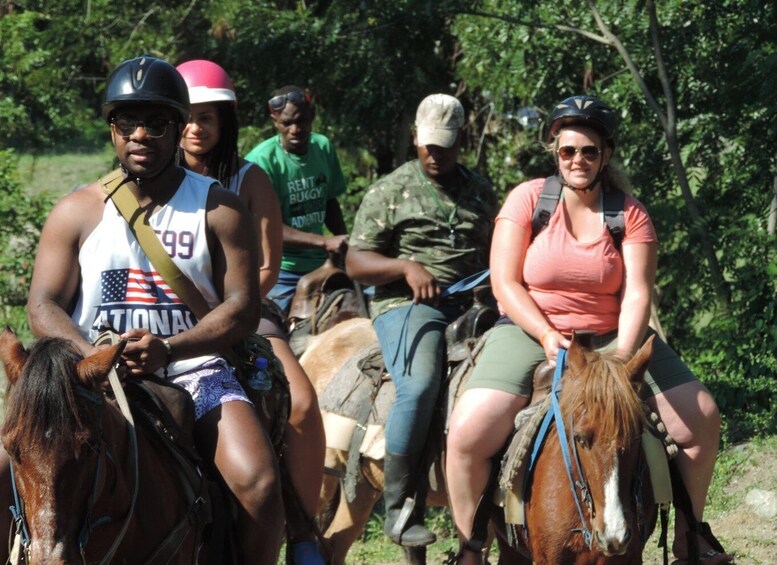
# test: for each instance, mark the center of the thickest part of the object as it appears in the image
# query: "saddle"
(323, 298)
(356, 403)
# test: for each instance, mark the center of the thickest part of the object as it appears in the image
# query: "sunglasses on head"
(154, 128)
(278, 103)
(589, 152)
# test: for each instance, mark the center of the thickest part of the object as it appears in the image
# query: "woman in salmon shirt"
(571, 277)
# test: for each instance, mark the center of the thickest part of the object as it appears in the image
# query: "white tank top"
(120, 289)
(236, 182)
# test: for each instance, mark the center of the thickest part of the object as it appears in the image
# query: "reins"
(555, 414)
(121, 400)
(463, 285)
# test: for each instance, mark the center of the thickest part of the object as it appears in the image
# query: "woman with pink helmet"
(209, 147)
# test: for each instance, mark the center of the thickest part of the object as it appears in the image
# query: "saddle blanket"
(345, 397)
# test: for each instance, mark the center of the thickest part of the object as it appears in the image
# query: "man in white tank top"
(91, 273)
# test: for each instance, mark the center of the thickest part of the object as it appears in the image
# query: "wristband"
(545, 334)
(169, 349)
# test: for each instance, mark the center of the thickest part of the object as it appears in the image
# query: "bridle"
(581, 492)
(22, 534)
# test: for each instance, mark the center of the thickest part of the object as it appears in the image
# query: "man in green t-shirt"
(307, 178)
(418, 230)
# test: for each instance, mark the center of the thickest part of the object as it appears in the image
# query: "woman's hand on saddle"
(144, 353)
(423, 284)
(552, 341)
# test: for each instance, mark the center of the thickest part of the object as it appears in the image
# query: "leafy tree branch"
(667, 118)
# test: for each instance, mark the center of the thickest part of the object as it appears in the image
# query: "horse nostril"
(612, 547)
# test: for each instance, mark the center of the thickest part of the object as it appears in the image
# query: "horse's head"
(604, 420)
(52, 433)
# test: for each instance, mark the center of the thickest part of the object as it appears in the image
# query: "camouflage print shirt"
(405, 215)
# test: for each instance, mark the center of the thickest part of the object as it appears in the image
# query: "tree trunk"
(772, 223)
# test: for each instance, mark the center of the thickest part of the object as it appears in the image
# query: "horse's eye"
(583, 440)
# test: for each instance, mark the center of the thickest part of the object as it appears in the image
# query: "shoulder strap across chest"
(114, 186)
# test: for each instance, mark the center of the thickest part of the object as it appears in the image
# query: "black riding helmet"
(585, 111)
(146, 79)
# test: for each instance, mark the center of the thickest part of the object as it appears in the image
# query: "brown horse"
(73, 463)
(604, 418)
(604, 511)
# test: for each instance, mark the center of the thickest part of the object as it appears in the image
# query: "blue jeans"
(284, 289)
(414, 351)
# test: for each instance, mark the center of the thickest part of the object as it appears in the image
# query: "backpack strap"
(612, 208)
(546, 205)
(115, 186)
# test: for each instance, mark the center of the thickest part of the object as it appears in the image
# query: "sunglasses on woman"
(278, 103)
(589, 152)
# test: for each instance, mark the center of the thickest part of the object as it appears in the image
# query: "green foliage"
(23, 217)
(55, 61)
(368, 65)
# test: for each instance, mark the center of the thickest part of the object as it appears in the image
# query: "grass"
(59, 173)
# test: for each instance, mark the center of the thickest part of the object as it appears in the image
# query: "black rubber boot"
(404, 518)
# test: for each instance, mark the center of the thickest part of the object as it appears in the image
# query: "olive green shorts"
(510, 355)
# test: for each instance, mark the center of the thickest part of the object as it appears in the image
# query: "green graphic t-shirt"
(303, 184)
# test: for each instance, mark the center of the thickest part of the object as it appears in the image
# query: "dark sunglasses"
(278, 103)
(155, 127)
(589, 152)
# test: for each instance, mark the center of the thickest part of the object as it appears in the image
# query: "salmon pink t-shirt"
(576, 285)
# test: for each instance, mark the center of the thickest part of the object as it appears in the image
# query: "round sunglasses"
(154, 128)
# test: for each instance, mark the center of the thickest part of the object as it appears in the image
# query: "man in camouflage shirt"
(420, 229)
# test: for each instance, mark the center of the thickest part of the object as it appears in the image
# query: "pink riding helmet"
(207, 82)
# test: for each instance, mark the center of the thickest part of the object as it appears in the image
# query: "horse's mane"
(607, 395)
(42, 410)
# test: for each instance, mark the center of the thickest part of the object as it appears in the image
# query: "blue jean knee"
(412, 339)
(284, 289)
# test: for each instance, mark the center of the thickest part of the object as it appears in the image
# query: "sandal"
(716, 548)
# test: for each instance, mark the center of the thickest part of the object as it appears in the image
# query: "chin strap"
(137, 180)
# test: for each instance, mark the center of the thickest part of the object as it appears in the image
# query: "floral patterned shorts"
(210, 386)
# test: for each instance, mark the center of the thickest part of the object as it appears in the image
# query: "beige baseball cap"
(438, 119)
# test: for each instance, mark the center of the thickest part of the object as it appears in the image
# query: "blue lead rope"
(465, 284)
(554, 413)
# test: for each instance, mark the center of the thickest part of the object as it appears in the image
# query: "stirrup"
(402, 518)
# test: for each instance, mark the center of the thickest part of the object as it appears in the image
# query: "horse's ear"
(13, 354)
(638, 364)
(93, 370)
(576, 356)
